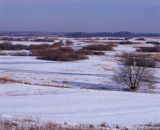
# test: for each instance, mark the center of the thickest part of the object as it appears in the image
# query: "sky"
(80, 15)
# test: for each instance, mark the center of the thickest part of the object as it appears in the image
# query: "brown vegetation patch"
(128, 43)
(149, 126)
(59, 54)
(40, 46)
(4, 80)
(31, 124)
(90, 52)
(100, 47)
(156, 48)
(99, 42)
(10, 46)
(134, 73)
(148, 62)
(154, 56)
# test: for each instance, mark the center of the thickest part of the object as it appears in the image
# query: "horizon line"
(24, 31)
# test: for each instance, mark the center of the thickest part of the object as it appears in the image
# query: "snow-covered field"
(75, 105)
(94, 72)
(28, 42)
(79, 106)
(87, 73)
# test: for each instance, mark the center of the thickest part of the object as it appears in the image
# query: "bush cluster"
(10, 46)
(108, 47)
(90, 52)
(138, 60)
(126, 43)
(149, 49)
(59, 54)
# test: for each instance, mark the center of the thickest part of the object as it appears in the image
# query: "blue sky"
(80, 15)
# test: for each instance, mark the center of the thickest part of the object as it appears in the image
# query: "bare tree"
(133, 73)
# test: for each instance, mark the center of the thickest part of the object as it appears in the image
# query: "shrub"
(6, 80)
(108, 47)
(60, 54)
(90, 52)
(126, 43)
(115, 39)
(149, 49)
(133, 73)
(140, 39)
(153, 42)
(40, 46)
(58, 44)
(138, 59)
(69, 42)
(10, 46)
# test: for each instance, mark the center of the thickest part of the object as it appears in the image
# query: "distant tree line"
(111, 34)
(82, 34)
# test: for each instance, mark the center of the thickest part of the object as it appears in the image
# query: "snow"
(79, 106)
(86, 73)
(74, 105)
(28, 42)
(12, 53)
(95, 72)
(125, 48)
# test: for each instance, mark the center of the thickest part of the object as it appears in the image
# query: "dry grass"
(149, 126)
(154, 56)
(149, 55)
(4, 80)
(31, 124)
(148, 59)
